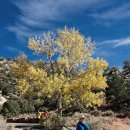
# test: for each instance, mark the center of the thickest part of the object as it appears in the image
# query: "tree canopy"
(68, 51)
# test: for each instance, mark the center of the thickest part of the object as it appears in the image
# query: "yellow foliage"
(30, 79)
(74, 48)
(92, 79)
(74, 51)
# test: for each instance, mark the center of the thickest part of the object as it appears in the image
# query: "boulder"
(2, 100)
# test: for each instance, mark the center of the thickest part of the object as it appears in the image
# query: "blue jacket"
(82, 126)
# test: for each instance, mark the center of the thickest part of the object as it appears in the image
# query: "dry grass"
(3, 125)
(97, 122)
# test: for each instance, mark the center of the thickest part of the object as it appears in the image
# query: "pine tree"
(116, 93)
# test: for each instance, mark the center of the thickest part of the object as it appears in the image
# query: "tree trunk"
(60, 105)
(52, 67)
(51, 64)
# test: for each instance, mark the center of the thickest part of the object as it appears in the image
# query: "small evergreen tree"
(126, 74)
(116, 93)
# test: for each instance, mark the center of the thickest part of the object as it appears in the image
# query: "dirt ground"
(122, 124)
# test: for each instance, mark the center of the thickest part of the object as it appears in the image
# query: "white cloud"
(35, 12)
(42, 13)
(103, 53)
(116, 42)
(19, 30)
(12, 49)
(117, 13)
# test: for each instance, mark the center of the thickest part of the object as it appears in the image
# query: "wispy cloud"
(19, 30)
(12, 49)
(43, 13)
(116, 42)
(102, 53)
(115, 13)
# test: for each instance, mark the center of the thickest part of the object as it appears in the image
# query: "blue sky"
(107, 22)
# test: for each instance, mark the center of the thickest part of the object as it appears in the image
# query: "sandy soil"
(122, 124)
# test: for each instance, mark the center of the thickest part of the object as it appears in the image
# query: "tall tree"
(69, 51)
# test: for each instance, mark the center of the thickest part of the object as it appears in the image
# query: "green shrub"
(6, 87)
(11, 108)
(26, 106)
(17, 107)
